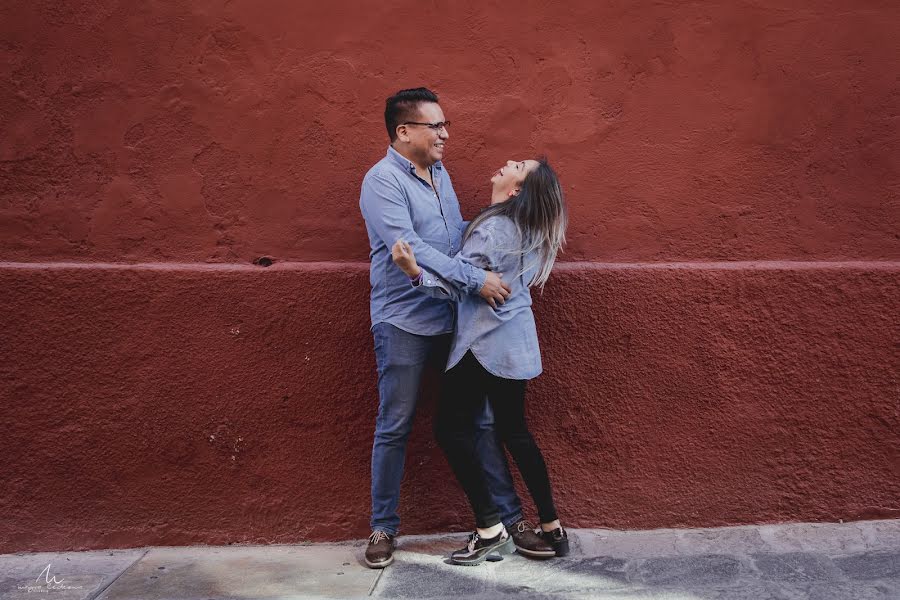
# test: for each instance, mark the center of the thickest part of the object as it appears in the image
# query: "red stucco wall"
(720, 347)
(218, 131)
(236, 404)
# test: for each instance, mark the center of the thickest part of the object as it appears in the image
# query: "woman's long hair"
(539, 211)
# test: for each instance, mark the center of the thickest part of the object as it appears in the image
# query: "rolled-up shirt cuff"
(417, 280)
(479, 276)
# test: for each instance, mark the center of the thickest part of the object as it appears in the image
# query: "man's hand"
(405, 258)
(495, 291)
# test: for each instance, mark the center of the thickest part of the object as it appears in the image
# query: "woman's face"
(507, 180)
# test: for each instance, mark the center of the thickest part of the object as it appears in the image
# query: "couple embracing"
(456, 296)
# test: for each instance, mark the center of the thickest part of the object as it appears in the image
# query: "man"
(408, 195)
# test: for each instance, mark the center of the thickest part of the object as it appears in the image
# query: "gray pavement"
(850, 561)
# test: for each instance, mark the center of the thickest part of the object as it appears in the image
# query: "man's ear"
(402, 133)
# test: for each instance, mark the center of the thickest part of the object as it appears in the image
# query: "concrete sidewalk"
(853, 561)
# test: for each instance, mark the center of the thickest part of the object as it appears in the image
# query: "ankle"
(548, 527)
(490, 532)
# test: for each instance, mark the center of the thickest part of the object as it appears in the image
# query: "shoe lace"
(472, 541)
(377, 536)
(523, 525)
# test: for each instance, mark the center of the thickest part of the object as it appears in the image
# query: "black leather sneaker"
(558, 539)
(380, 551)
(528, 542)
(478, 549)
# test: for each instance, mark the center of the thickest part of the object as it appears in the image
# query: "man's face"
(425, 143)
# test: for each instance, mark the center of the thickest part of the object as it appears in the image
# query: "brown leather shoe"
(380, 551)
(528, 542)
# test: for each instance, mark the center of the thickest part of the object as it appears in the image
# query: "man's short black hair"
(403, 106)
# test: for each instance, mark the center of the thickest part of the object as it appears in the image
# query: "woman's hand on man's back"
(405, 258)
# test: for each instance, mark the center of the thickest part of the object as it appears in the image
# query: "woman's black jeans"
(462, 399)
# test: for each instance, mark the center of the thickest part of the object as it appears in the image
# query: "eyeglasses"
(432, 126)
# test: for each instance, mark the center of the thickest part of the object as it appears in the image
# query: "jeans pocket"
(381, 335)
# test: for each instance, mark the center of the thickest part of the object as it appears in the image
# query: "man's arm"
(384, 208)
(476, 252)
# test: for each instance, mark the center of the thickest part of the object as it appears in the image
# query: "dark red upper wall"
(220, 131)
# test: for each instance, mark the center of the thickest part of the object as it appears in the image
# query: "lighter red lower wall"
(187, 404)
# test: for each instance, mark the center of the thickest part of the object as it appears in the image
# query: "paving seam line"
(375, 583)
(116, 578)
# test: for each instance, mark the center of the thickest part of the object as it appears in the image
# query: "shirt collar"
(405, 163)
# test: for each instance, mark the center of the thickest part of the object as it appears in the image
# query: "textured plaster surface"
(217, 131)
(184, 404)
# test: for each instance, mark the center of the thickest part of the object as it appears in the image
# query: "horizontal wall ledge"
(879, 265)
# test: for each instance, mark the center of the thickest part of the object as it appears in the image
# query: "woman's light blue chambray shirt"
(504, 340)
(397, 204)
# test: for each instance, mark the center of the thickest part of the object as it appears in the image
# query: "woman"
(495, 350)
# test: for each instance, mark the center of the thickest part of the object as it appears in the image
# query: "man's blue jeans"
(401, 358)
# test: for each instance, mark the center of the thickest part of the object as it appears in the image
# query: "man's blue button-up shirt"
(397, 204)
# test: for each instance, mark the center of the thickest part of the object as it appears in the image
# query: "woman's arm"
(477, 251)
(427, 282)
